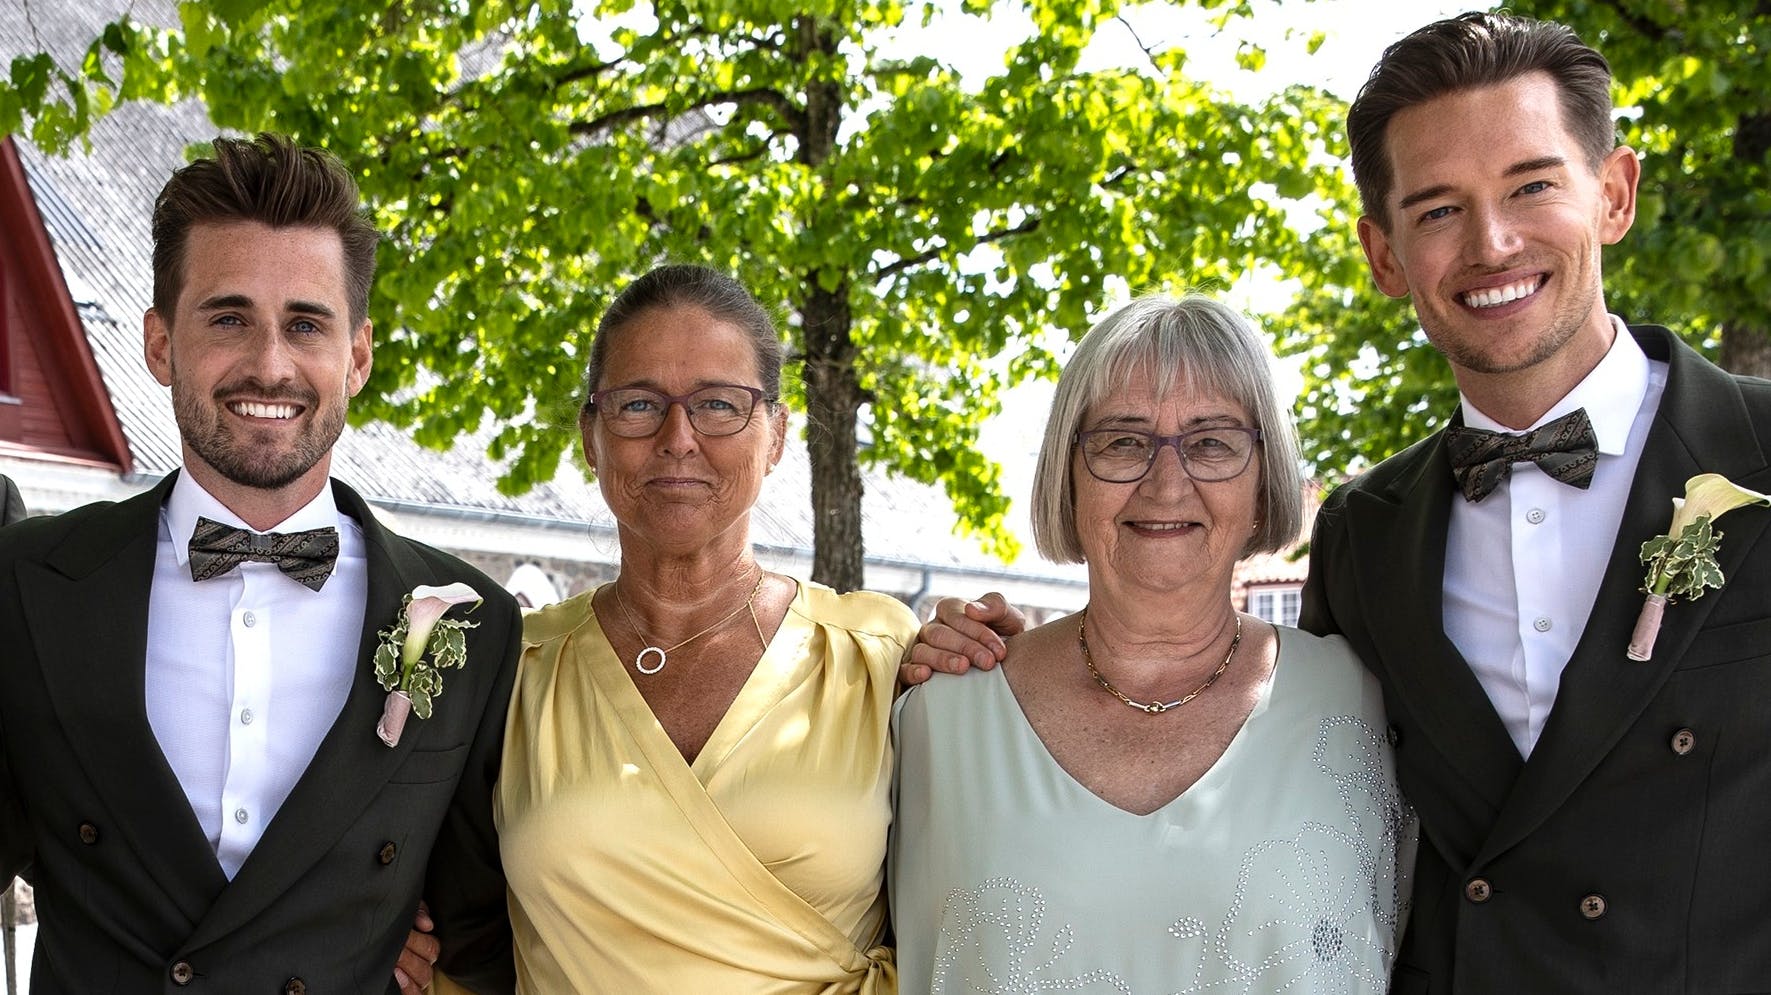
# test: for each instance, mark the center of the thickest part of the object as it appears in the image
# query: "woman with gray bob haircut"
(1158, 793)
(1190, 344)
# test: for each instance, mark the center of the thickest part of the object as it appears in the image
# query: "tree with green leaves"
(922, 233)
(1693, 84)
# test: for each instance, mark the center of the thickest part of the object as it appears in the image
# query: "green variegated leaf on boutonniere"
(413, 653)
(1682, 563)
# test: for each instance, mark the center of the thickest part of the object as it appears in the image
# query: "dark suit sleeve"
(15, 830)
(1316, 615)
(16, 847)
(464, 883)
(12, 508)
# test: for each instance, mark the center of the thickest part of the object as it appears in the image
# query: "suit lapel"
(1396, 537)
(96, 679)
(351, 765)
(1699, 428)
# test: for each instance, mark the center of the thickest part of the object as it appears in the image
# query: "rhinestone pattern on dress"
(1301, 918)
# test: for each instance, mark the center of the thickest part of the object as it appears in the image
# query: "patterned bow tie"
(1566, 449)
(305, 557)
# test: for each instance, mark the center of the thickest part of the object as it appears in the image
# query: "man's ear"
(1618, 176)
(362, 357)
(156, 346)
(1386, 270)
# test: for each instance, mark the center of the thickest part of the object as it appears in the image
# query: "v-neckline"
(776, 672)
(1201, 784)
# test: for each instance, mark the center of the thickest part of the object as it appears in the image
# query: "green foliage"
(1694, 80)
(530, 157)
(1683, 566)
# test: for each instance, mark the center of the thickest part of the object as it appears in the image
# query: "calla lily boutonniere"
(1682, 563)
(401, 666)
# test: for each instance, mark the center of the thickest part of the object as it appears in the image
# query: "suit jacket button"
(1684, 741)
(1478, 890)
(183, 973)
(387, 853)
(295, 986)
(88, 833)
(1592, 906)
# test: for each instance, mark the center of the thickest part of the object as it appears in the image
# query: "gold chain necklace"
(664, 654)
(1153, 707)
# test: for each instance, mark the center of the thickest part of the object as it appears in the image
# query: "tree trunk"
(833, 401)
(833, 389)
(1747, 349)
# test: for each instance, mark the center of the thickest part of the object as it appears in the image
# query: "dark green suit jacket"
(130, 898)
(1632, 852)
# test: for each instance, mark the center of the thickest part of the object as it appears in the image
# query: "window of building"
(1278, 605)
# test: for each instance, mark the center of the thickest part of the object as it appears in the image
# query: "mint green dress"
(1283, 869)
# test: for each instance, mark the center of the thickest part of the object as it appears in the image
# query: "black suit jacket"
(1632, 852)
(130, 898)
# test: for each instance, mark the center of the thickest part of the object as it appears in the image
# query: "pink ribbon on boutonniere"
(412, 655)
(1682, 562)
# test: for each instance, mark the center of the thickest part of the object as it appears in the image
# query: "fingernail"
(979, 605)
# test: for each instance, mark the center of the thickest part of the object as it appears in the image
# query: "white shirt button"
(245, 716)
(240, 816)
(1541, 625)
(1535, 516)
(249, 620)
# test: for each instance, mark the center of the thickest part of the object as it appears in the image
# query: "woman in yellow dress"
(696, 786)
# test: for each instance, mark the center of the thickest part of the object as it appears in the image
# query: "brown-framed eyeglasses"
(639, 412)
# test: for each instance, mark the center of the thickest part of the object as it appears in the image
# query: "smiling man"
(191, 774)
(1589, 823)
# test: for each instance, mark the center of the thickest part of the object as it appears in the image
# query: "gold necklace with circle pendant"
(1153, 707)
(639, 659)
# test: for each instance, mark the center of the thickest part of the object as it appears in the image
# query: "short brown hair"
(1466, 52)
(273, 181)
(675, 285)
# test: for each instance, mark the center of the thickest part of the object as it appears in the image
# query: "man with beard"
(192, 777)
(1589, 822)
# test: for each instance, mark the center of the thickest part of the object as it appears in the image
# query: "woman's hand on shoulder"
(962, 635)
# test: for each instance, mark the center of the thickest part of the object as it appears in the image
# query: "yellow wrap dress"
(757, 869)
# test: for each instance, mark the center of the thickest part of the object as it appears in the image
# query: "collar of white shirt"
(1612, 394)
(189, 501)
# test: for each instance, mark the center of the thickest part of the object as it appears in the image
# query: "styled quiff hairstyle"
(1468, 52)
(1190, 344)
(682, 285)
(273, 181)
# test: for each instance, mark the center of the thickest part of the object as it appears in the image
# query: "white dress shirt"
(246, 672)
(1523, 565)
